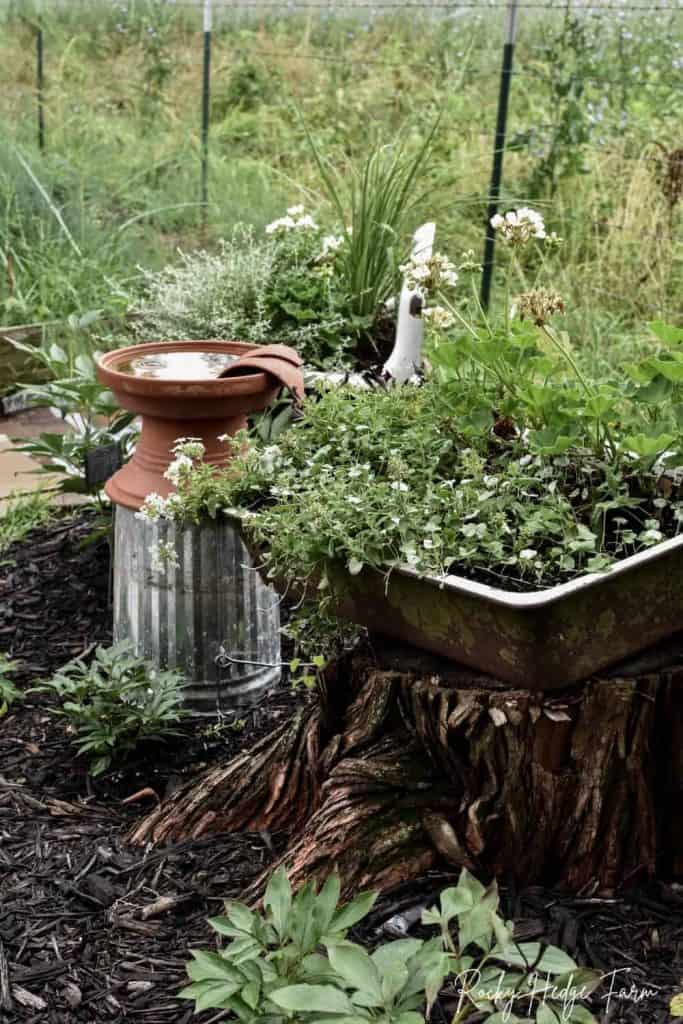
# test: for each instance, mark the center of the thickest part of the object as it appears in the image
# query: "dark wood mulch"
(93, 930)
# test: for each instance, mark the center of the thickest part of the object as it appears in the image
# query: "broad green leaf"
(353, 912)
(240, 916)
(456, 899)
(581, 1015)
(326, 903)
(242, 949)
(209, 995)
(250, 993)
(208, 966)
(666, 333)
(658, 390)
(524, 954)
(672, 369)
(551, 442)
(395, 954)
(646, 446)
(278, 900)
(470, 885)
(312, 999)
(356, 967)
(502, 932)
(544, 1015)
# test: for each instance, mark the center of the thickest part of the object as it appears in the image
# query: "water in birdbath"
(195, 364)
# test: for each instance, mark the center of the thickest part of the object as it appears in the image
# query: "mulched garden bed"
(93, 930)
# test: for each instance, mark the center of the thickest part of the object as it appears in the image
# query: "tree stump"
(406, 759)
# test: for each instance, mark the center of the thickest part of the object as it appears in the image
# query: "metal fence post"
(40, 81)
(498, 150)
(206, 109)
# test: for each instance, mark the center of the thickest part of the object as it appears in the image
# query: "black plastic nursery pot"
(542, 640)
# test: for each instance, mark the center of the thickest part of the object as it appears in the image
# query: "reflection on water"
(189, 365)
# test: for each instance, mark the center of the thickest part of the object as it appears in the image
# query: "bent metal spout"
(206, 610)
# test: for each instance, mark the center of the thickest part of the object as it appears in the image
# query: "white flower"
(153, 508)
(439, 317)
(281, 224)
(295, 220)
(179, 468)
(423, 273)
(305, 223)
(527, 554)
(190, 447)
(163, 556)
(270, 457)
(331, 244)
(516, 227)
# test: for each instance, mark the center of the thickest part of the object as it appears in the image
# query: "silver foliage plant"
(206, 294)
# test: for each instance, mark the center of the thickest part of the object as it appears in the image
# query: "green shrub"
(274, 968)
(115, 703)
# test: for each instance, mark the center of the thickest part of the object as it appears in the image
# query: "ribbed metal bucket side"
(206, 612)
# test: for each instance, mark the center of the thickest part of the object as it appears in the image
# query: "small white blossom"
(164, 556)
(281, 224)
(296, 220)
(153, 508)
(518, 226)
(423, 273)
(179, 468)
(190, 447)
(438, 317)
(527, 554)
(331, 244)
(270, 458)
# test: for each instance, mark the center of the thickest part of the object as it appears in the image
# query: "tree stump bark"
(408, 759)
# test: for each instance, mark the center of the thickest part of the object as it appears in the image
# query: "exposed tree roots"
(410, 766)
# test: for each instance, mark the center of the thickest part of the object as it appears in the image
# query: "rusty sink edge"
(540, 640)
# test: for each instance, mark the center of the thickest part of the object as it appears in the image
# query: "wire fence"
(503, 18)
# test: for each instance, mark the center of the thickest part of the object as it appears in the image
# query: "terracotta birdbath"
(177, 389)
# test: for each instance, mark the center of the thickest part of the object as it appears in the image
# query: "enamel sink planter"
(542, 640)
(201, 608)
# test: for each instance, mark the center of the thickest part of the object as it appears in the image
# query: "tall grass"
(123, 84)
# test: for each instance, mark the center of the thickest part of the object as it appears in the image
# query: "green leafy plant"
(88, 409)
(116, 702)
(272, 950)
(274, 967)
(8, 691)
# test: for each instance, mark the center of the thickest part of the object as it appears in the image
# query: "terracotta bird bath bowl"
(177, 389)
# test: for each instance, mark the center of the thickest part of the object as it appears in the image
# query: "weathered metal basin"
(541, 640)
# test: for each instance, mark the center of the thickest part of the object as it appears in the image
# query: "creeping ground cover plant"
(294, 962)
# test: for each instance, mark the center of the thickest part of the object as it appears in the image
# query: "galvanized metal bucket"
(188, 597)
